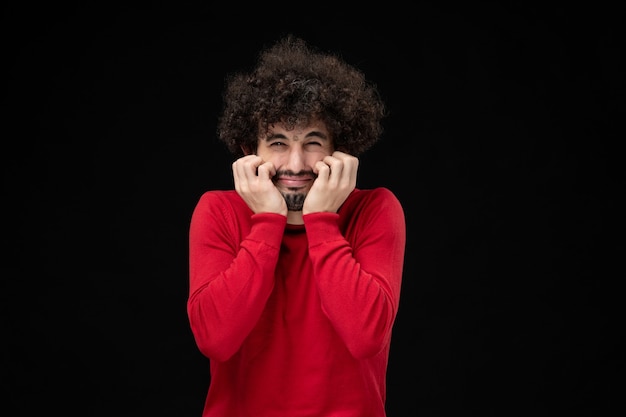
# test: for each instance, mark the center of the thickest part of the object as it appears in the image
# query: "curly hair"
(292, 84)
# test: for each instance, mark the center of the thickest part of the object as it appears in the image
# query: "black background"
(502, 145)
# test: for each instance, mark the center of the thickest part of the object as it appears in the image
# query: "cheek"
(313, 157)
(265, 154)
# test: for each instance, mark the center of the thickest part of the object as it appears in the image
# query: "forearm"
(230, 284)
(359, 283)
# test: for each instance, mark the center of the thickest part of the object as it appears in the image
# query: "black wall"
(502, 144)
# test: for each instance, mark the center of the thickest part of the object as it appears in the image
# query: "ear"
(245, 150)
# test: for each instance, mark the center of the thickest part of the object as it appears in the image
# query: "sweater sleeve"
(232, 257)
(359, 275)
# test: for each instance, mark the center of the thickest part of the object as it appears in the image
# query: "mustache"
(290, 173)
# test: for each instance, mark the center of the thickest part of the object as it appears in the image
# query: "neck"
(294, 217)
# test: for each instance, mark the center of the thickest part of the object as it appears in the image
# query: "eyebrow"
(313, 133)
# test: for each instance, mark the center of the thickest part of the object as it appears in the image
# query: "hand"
(253, 182)
(336, 179)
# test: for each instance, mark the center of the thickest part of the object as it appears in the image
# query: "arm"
(232, 256)
(359, 274)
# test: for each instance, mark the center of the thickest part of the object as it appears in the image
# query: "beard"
(294, 201)
(294, 197)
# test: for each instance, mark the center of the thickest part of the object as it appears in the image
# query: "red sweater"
(296, 320)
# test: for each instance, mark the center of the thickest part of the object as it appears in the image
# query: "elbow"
(368, 342)
(211, 342)
(371, 337)
(214, 349)
(366, 349)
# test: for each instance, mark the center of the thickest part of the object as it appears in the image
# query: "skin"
(295, 172)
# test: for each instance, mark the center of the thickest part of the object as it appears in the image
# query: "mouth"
(291, 182)
(294, 181)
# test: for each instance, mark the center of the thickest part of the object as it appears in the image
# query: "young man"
(295, 275)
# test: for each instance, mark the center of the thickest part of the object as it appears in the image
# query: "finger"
(237, 172)
(250, 166)
(244, 170)
(348, 160)
(345, 169)
(322, 169)
(266, 170)
(336, 168)
(340, 155)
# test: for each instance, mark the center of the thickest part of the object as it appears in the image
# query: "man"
(295, 275)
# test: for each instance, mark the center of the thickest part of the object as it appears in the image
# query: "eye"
(277, 144)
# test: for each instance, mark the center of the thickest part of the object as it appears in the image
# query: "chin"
(294, 201)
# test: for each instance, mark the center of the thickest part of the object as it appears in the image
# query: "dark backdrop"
(502, 145)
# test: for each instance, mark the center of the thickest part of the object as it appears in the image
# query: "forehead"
(314, 125)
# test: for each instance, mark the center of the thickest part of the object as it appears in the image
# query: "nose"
(295, 159)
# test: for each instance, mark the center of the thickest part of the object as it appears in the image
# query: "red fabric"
(296, 320)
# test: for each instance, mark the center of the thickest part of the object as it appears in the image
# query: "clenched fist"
(336, 179)
(253, 182)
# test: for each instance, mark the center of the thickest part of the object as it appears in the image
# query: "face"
(294, 154)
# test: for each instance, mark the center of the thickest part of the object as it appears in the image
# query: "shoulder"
(374, 196)
(220, 197)
(222, 201)
(222, 212)
(371, 212)
(376, 200)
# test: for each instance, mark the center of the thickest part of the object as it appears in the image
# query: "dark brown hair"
(293, 83)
